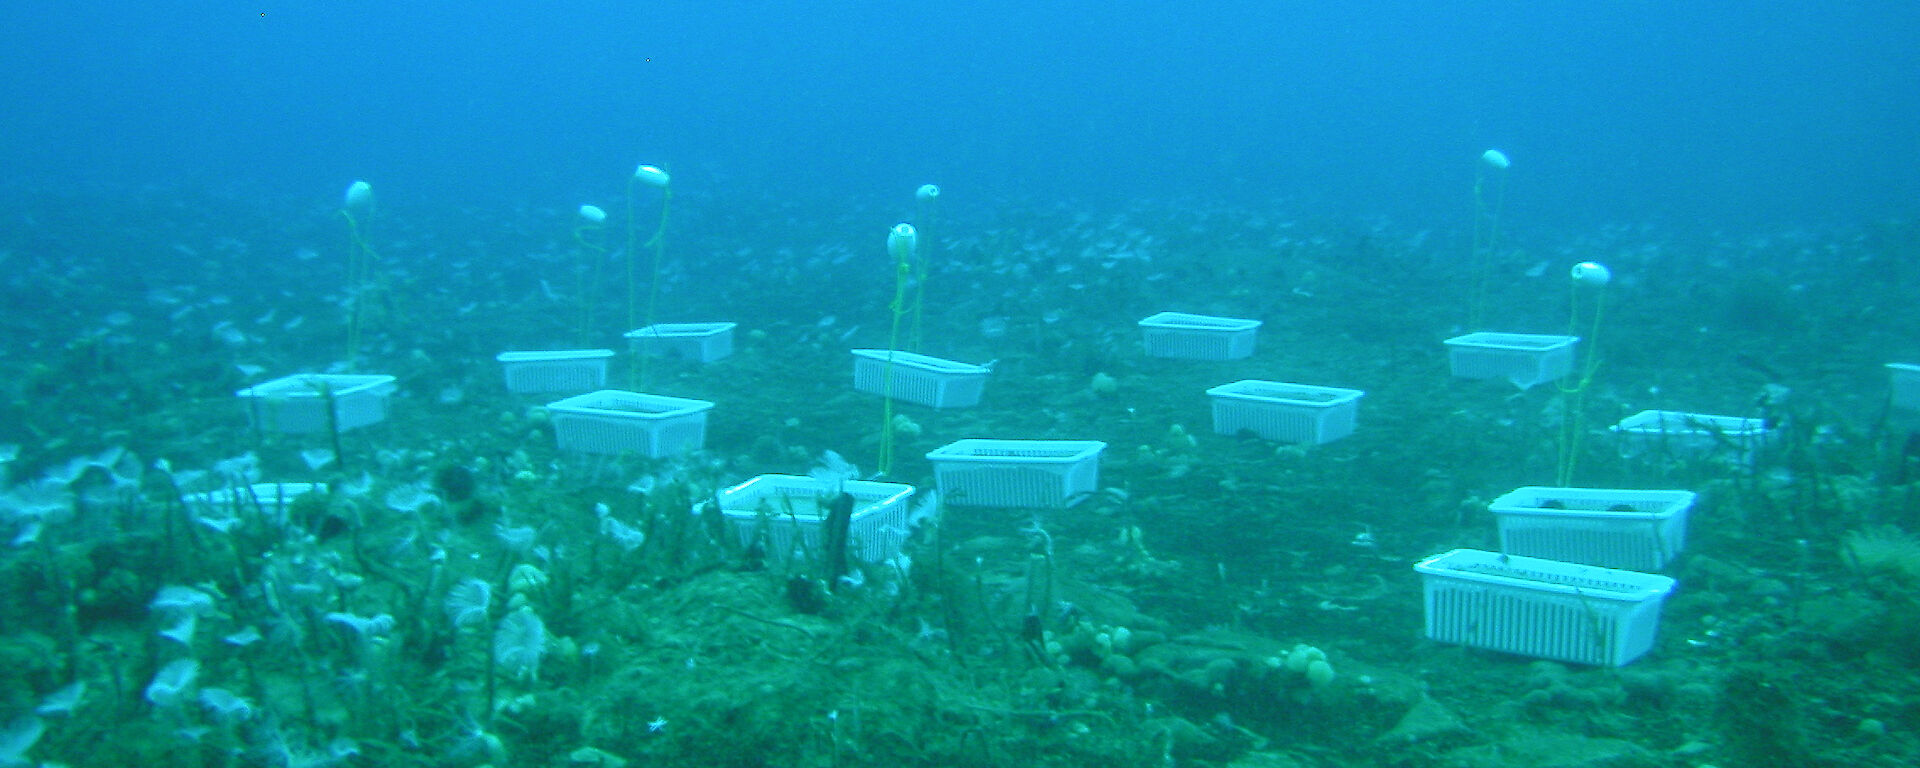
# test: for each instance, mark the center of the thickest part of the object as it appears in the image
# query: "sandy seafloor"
(348, 630)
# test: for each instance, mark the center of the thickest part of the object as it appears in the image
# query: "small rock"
(596, 757)
(1426, 720)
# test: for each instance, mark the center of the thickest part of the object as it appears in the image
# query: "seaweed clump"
(1760, 721)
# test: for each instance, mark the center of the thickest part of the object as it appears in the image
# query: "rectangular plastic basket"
(1289, 413)
(786, 505)
(1524, 359)
(918, 378)
(231, 505)
(1677, 435)
(613, 421)
(1634, 530)
(1904, 386)
(696, 342)
(1198, 337)
(567, 370)
(1581, 614)
(298, 404)
(1016, 473)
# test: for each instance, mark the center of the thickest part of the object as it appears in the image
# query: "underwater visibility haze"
(1254, 384)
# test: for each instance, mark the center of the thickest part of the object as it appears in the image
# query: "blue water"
(1699, 112)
